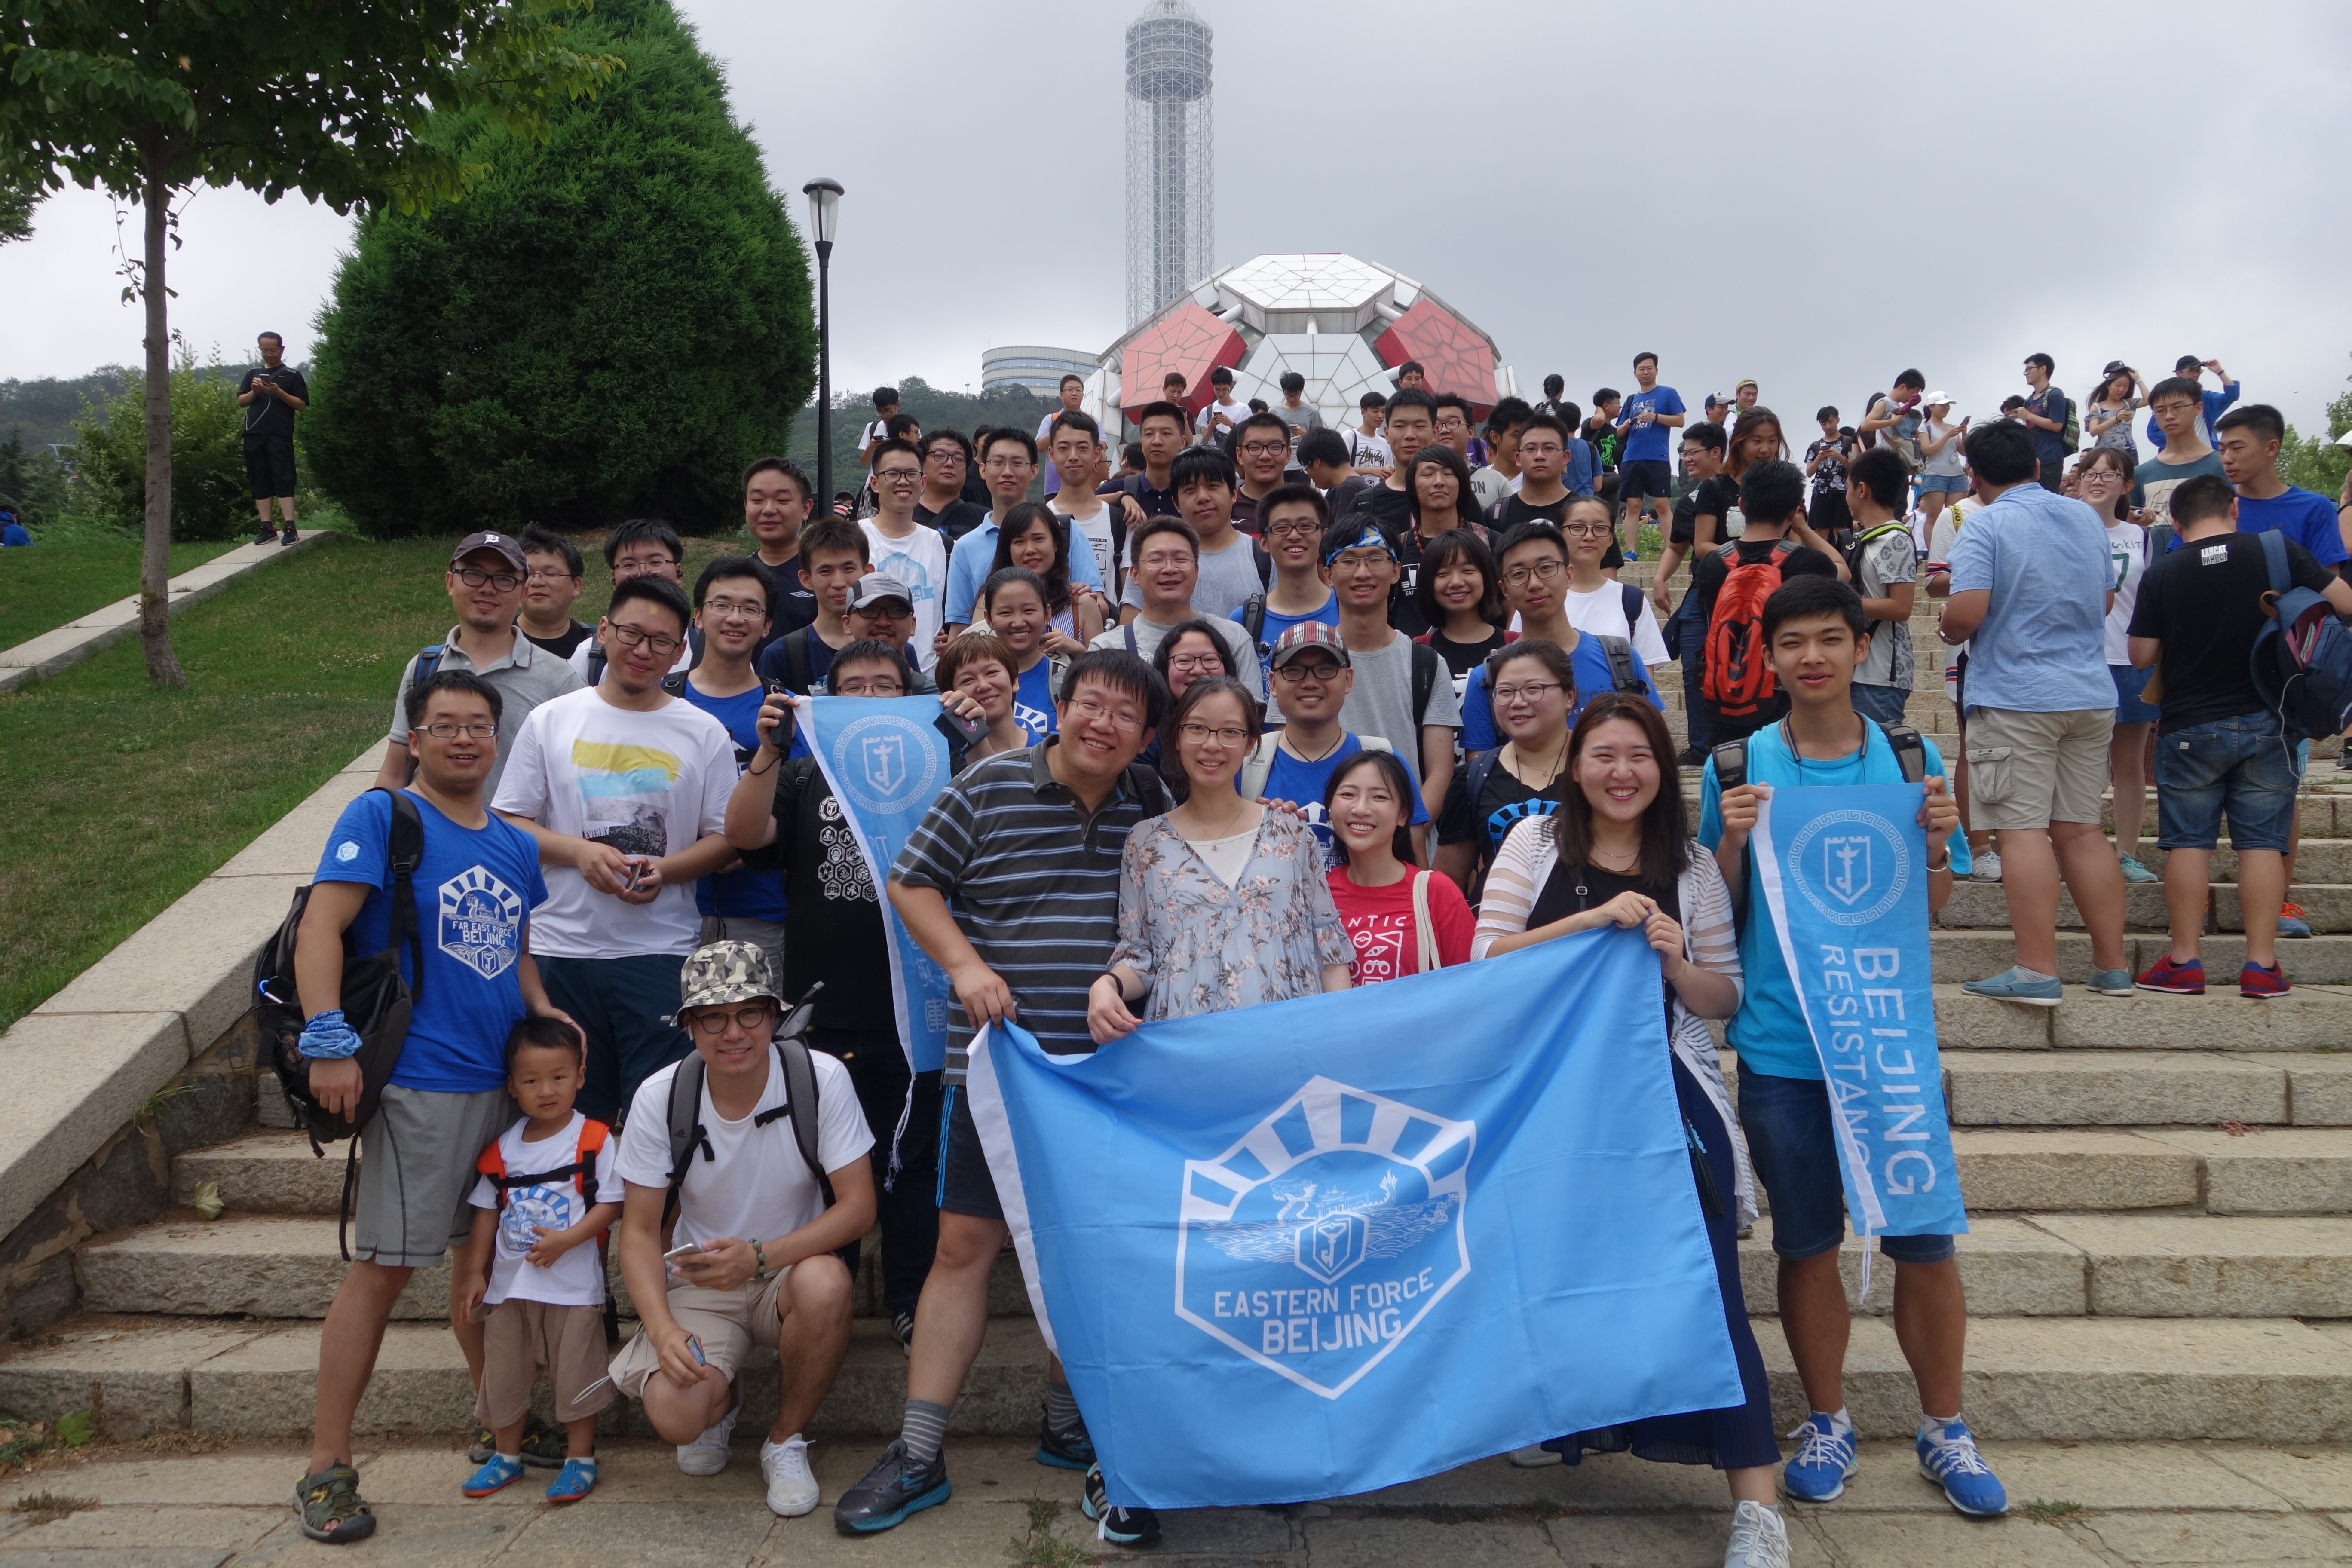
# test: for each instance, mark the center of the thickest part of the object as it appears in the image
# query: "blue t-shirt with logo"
(1647, 443)
(1768, 1031)
(1588, 658)
(1032, 699)
(754, 895)
(474, 889)
(1287, 778)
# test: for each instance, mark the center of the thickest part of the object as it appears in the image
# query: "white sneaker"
(791, 1489)
(707, 1455)
(1535, 1456)
(1987, 866)
(1760, 1538)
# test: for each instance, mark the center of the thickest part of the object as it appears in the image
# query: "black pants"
(907, 1205)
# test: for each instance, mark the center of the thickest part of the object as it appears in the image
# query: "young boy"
(1817, 635)
(835, 552)
(547, 1189)
(2217, 752)
(2176, 405)
(1886, 564)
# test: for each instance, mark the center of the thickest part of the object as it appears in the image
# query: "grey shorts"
(416, 1165)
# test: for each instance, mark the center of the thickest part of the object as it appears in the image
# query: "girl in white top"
(2106, 479)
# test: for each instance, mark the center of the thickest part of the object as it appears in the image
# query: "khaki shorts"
(2027, 771)
(522, 1339)
(728, 1323)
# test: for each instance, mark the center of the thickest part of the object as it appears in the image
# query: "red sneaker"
(2174, 979)
(2256, 982)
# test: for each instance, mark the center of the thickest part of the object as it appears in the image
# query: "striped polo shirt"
(1033, 882)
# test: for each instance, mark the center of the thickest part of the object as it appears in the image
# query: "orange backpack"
(593, 1136)
(1739, 677)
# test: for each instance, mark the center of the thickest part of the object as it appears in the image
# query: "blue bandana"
(1370, 538)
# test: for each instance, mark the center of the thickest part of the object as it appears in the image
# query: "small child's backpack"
(2302, 659)
(1739, 677)
(593, 1134)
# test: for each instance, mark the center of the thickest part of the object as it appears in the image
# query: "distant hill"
(936, 408)
(45, 409)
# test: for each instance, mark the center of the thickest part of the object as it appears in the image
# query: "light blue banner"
(1325, 1246)
(887, 759)
(1844, 873)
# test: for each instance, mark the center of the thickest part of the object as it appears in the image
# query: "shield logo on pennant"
(1853, 865)
(885, 763)
(1330, 1248)
(1845, 867)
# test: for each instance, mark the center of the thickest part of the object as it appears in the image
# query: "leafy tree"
(612, 325)
(209, 488)
(148, 98)
(32, 481)
(2317, 463)
(18, 199)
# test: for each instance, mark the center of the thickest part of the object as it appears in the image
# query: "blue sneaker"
(2011, 986)
(895, 1487)
(1953, 1463)
(497, 1474)
(1068, 1448)
(1633, 555)
(575, 1481)
(2292, 921)
(1824, 1458)
(2112, 982)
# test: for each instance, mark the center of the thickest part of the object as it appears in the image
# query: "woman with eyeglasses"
(1221, 902)
(1618, 852)
(1036, 537)
(1401, 920)
(1534, 689)
(1437, 485)
(1189, 650)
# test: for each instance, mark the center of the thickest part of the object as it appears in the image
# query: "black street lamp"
(824, 213)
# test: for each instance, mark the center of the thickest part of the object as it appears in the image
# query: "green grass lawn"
(122, 798)
(54, 581)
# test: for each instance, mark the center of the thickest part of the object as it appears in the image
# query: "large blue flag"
(1843, 872)
(887, 759)
(1330, 1245)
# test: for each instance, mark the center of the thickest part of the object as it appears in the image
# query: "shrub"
(208, 489)
(610, 325)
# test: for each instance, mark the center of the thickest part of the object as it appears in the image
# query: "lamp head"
(824, 208)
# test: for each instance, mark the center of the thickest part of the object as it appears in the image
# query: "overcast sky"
(1815, 196)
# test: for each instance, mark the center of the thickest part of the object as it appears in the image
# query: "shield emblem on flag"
(1845, 867)
(1330, 1247)
(885, 763)
(1851, 865)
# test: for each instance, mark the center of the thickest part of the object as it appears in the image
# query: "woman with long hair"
(1460, 596)
(1758, 439)
(982, 667)
(1440, 500)
(1401, 920)
(1534, 692)
(1036, 536)
(2104, 474)
(1618, 852)
(2107, 416)
(1221, 902)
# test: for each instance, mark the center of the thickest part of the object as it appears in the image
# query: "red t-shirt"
(1380, 925)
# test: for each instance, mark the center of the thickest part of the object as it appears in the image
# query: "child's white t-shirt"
(577, 1278)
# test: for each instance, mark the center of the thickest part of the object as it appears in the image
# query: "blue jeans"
(1882, 703)
(1794, 1146)
(622, 1006)
(2238, 767)
(1694, 656)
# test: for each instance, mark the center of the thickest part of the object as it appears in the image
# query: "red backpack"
(1738, 676)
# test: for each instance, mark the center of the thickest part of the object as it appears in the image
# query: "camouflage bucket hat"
(720, 973)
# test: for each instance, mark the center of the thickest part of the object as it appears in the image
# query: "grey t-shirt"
(527, 677)
(1228, 576)
(1145, 643)
(1381, 703)
(1890, 559)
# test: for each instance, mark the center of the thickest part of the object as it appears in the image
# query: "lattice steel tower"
(1170, 155)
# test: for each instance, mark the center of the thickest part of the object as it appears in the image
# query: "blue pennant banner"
(1844, 873)
(1331, 1245)
(887, 759)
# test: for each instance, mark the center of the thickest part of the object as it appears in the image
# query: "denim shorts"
(1794, 1147)
(2235, 767)
(1884, 704)
(2129, 684)
(1946, 484)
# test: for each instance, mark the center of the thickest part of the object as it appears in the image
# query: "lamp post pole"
(824, 208)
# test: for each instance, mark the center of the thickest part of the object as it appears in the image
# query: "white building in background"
(1038, 368)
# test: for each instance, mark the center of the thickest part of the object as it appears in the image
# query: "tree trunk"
(155, 557)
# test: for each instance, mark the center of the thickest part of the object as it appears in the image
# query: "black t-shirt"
(1390, 509)
(1342, 497)
(1707, 576)
(2203, 602)
(1154, 502)
(1461, 657)
(960, 519)
(1502, 803)
(1510, 511)
(564, 642)
(265, 415)
(1716, 497)
(1404, 612)
(795, 605)
(833, 918)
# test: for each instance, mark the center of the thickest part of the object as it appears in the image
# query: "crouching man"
(757, 1209)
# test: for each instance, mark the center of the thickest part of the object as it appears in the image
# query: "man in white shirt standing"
(1222, 412)
(903, 548)
(1076, 442)
(625, 787)
(1073, 393)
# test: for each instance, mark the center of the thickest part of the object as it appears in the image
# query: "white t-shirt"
(1369, 451)
(1096, 531)
(646, 784)
(755, 1186)
(1236, 412)
(1602, 614)
(920, 562)
(2126, 561)
(875, 431)
(577, 1278)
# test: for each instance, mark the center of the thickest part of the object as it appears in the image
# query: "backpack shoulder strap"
(596, 662)
(800, 1105)
(493, 1160)
(1910, 751)
(1148, 788)
(2274, 558)
(1478, 767)
(1629, 597)
(1424, 679)
(1254, 620)
(675, 683)
(1264, 563)
(428, 660)
(405, 850)
(1730, 764)
(1250, 781)
(1129, 630)
(686, 1133)
(1624, 670)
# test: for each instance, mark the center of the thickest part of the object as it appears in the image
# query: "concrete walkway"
(78, 640)
(2112, 1505)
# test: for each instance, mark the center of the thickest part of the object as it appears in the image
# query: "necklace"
(1319, 755)
(1627, 870)
(1789, 738)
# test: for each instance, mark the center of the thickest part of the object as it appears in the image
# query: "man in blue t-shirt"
(1534, 565)
(1312, 677)
(445, 1101)
(1293, 519)
(1645, 481)
(1817, 635)
(734, 606)
(12, 532)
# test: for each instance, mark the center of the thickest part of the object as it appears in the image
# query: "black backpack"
(1731, 772)
(1254, 607)
(377, 1002)
(792, 1060)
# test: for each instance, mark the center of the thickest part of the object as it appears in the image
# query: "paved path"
(2139, 1504)
(78, 640)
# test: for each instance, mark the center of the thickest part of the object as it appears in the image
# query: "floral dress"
(1203, 947)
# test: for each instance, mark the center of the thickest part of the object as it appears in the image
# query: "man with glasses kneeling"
(625, 788)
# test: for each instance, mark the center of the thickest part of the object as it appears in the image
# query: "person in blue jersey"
(1292, 520)
(1012, 605)
(1817, 635)
(1645, 479)
(1534, 561)
(1314, 674)
(734, 606)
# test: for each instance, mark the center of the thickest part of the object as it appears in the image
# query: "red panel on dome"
(1187, 340)
(1454, 356)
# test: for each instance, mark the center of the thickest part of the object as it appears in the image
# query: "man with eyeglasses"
(1543, 494)
(1313, 675)
(1166, 577)
(1402, 691)
(1457, 424)
(882, 610)
(904, 549)
(1295, 519)
(1231, 566)
(551, 587)
(945, 503)
(625, 787)
(1261, 450)
(1534, 563)
(475, 886)
(733, 602)
(1008, 460)
(486, 579)
(641, 547)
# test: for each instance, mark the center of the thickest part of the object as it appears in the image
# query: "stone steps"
(1983, 905)
(2133, 1088)
(2067, 1378)
(1961, 955)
